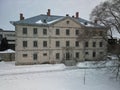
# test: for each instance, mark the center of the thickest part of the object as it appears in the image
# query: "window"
(67, 32)
(77, 44)
(77, 32)
(24, 30)
(24, 43)
(77, 54)
(86, 44)
(24, 55)
(94, 44)
(44, 54)
(57, 55)
(44, 43)
(67, 22)
(35, 56)
(101, 44)
(101, 33)
(57, 31)
(86, 53)
(101, 53)
(67, 56)
(44, 31)
(34, 31)
(94, 54)
(57, 43)
(67, 43)
(35, 44)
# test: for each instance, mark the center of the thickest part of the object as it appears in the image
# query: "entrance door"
(68, 56)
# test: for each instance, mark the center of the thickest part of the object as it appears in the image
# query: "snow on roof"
(44, 19)
(8, 51)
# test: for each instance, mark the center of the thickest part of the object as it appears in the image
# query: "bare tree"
(108, 14)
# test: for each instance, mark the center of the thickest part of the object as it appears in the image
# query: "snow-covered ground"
(55, 77)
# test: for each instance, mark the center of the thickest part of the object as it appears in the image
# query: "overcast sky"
(10, 9)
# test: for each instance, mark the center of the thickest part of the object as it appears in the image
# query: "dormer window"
(85, 23)
(44, 21)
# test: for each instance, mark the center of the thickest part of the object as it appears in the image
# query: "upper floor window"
(24, 30)
(101, 33)
(57, 43)
(24, 43)
(94, 44)
(77, 44)
(35, 44)
(77, 32)
(67, 43)
(44, 31)
(34, 31)
(57, 31)
(67, 32)
(101, 44)
(86, 44)
(44, 43)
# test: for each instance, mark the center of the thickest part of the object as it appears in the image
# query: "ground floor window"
(57, 55)
(94, 54)
(35, 56)
(77, 54)
(68, 56)
(25, 55)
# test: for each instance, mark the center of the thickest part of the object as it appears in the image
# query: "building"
(53, 39)
(10, 35)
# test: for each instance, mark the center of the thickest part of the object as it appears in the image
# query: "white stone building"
(53, 39)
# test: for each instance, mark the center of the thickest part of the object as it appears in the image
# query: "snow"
(54, 77)
(39, 22)
(8, 51)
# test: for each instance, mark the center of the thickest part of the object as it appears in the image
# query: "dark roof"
(46, 20)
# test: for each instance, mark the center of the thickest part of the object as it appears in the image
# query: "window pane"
(94, 44)
(77, 54)
(86, 44)
(44, 31)
(94, 54)
(24, 43)
(24, 30)
(67, 43)
(44, 43)
(57, 43)
(77, 44)
(57, 55)
(77, 32)
(35, 56)
(101, 44)
(57, 32)
(67, 32)
(35, 44)
(34, 30)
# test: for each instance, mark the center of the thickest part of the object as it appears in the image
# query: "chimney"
(77, 14)
(21, 16)
(48, 13)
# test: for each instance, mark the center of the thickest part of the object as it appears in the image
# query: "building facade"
(53, 39)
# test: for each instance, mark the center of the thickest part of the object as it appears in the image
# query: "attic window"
(44, 21)
(67, 22)
(85, 23)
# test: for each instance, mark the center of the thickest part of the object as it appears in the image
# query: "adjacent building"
(10, 36)
(54, 39)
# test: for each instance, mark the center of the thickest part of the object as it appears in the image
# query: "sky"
(10, 9)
